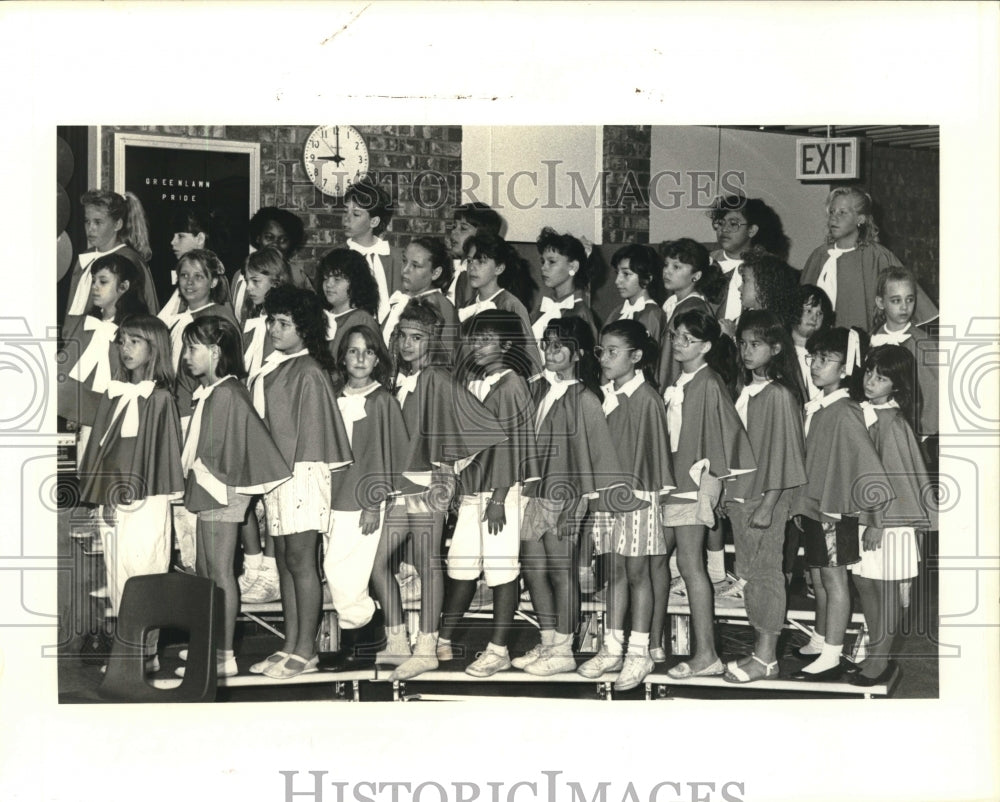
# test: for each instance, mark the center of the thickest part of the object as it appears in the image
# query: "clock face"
(335, 157)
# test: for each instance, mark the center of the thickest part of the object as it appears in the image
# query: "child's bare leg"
(691, 563)
(504, 605)
(300, 560)
(216, 549)
(289, 607)
(659, 576)
(384, 582)
(534, 569)
(838, 613)
(821, 599)
(427, 529)
(563, 580)
(456, 603)
(880, 640)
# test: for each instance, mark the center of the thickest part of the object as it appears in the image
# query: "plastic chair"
(175, 600)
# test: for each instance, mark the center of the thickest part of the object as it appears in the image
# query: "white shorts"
(302, 504)
(474, 550)
(897, 558)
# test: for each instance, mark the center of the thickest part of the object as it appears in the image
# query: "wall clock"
(335, 157)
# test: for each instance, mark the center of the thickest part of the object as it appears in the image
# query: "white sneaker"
(528, 657)
(247, 579)
(635, 669)
(552, 663)
(265, 588)
(600, 663)
(731, 595)
(489, 663)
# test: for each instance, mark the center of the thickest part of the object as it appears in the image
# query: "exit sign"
(826, 159)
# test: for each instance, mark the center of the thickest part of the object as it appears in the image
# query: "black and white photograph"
(609, 417)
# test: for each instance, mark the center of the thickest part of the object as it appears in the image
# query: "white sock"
(492, 647)
(562, 644)
(717, 565)
(638, 643)
(253, 562)
(548, 637)
(815, 645)
(828, 658)
(269, 563)
(444, 641)
(222, 655)
(613, 641)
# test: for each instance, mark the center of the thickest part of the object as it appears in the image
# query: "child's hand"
(872, 538)
(797, 520)
(369, 521)
(760, 517)
(71, 425)
(495, 517)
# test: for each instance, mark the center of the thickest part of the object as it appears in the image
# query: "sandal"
(683, 670)
(292, 666)
(739, 675)
(267, 662)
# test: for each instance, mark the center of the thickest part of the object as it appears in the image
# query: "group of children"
(348, 421)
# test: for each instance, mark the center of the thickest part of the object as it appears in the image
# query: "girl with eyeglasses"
(694, 282)
(845, 486)
(578, 459)
(708, 445)
(741, 224)
(635, 539)
(847, 267)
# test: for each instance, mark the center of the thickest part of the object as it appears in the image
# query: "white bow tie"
(256, 379)
(480, 388)
(374, 253)
(827, 280)
(128, 396)
(551, 309)
(728, 265)
(214, 486)
(352, 409)
(557, 389)
(254, 355)
(405, 384)
(886, 337)
(95, 359)
(630, 310)
(673, 397)
(868, 409)
(474, 309)
(81, 303)
(748, 392)
(610, 402)
(397, 303)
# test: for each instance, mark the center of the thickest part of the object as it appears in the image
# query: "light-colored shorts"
(897, 558)
(234, 512)
(561, 517)
(302, 504)
(474, 550)
(694, 513)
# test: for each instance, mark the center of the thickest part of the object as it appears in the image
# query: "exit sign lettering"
(826, 159)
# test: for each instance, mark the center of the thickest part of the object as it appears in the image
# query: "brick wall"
(626, 199)
(405, 158)
(904, 183)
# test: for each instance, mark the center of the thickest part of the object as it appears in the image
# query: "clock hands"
(336, 158)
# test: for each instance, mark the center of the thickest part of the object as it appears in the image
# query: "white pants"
(139, 544)
(348, 557)
(185, 531)
(474, 550)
